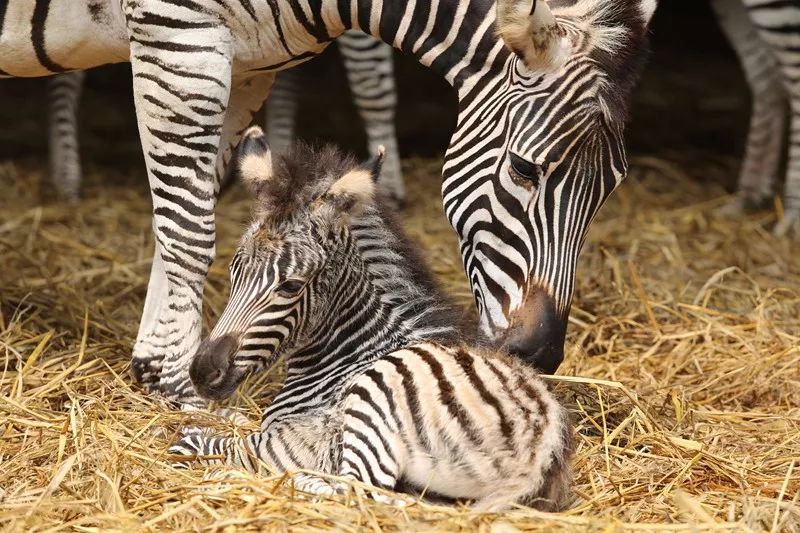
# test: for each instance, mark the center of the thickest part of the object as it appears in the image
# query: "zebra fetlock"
(380, 388)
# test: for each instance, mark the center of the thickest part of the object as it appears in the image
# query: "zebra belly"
(63, 35)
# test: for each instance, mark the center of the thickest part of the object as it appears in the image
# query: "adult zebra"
(369, 67)
(536, 150)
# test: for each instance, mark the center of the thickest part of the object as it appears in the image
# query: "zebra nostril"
(215, 376)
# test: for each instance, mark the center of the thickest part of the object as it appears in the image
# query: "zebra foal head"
(288, 268)
(535, 154)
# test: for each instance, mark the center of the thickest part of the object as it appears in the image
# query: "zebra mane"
(618, 42)
(300, 175)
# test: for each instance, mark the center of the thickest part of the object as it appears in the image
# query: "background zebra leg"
(370, 73)
(790, 223)
(773, 26)
(768, 115)
(281, 110)
(64, 93)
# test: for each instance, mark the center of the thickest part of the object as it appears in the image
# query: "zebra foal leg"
(372, 450)
(207, 450)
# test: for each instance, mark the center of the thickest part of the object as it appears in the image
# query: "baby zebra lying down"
(378, 388)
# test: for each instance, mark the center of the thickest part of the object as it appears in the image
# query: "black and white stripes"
(766, 36)
(379, 388)
(202, 68)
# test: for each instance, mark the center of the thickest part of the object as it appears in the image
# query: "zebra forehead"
(300, 176)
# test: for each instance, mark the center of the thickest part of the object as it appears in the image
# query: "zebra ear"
(648, 7)
(374, 164)
(530, 30)
(253, 159)
(352, 192)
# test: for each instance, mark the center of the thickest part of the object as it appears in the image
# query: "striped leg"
(768, 116)
(205, 450)
(778, 25)
(281, 110)
(64, 93)
(370, 72)
(185, 114)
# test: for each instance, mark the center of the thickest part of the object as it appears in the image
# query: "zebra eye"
(524, 171)
(290, 287)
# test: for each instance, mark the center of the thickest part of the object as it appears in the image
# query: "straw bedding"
(685, 335)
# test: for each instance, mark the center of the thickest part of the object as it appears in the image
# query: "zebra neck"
(455, 38)
(379, 305)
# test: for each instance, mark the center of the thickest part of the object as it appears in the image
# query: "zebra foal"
(379, 388)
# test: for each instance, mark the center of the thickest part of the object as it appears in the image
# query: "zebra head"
(281, 274)
(535, 154)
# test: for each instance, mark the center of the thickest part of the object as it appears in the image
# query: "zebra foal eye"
(290, 287)
(524, 171)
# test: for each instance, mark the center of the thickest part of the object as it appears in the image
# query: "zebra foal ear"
(253, 159)
(530, 30)
(357, 188)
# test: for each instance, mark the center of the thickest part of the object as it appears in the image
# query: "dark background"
(692, 100)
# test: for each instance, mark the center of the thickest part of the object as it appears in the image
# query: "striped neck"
(454, 38)
(377, 301)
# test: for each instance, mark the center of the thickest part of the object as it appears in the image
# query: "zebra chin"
(212, 371)
(537, 332)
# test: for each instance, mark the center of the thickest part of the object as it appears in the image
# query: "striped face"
(535, 154)
(292, 263)
(272, 283)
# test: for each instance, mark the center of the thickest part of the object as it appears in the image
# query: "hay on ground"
(685, 335)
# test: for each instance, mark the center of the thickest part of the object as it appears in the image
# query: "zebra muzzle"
(537, 332)
(212, 372)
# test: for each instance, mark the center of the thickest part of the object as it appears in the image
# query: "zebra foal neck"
(379, 388)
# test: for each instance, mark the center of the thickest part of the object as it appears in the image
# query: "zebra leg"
(768, 115)
(281, 110)
(196, 448)
(189, 116)
(778, 28)
(64, 93)
(790, 223)
(370, 72)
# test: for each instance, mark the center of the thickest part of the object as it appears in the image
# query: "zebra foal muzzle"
(212, 372)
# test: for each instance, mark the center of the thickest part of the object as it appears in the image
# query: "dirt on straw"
(682, 369)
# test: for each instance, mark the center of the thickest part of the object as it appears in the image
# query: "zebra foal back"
(459, 423)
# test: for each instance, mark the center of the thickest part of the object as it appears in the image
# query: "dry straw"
(684, 332)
